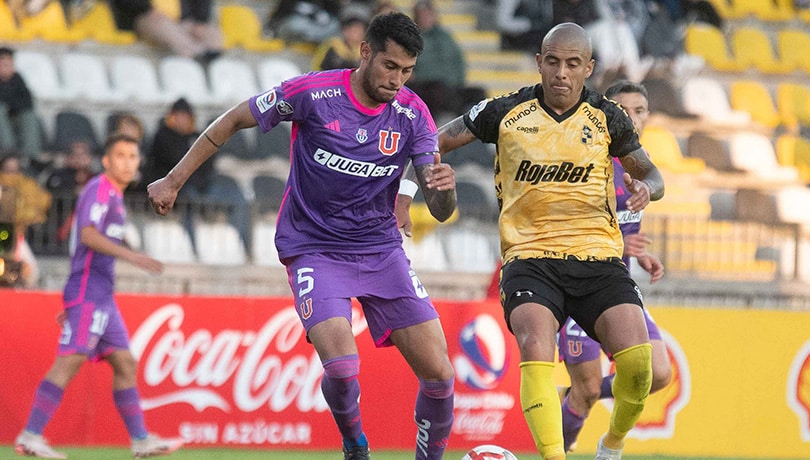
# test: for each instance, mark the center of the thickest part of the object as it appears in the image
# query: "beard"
(374, 92)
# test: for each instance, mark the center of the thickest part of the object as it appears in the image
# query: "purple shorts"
(577, 347)
(94, 330)
(391, 295)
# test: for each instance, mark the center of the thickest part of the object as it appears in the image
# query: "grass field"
(7, 452)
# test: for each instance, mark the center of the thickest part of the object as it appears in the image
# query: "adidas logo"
(333, 125)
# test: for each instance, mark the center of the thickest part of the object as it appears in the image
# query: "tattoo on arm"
(440, 203)
(640, 167)
(453, 135)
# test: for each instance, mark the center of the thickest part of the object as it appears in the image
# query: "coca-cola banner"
(238, 372)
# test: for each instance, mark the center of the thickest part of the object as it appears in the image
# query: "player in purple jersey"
(580, 352)
(353, 132)
(92, 327)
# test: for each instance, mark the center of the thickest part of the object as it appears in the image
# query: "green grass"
(7, 452)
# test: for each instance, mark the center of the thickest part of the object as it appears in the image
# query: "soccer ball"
(489, 452)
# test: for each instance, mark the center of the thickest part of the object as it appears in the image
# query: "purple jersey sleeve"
(629, 222)
(92, 274)
(346, 162)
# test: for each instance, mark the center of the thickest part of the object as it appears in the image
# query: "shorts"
(577, 347)
(94, 329)
(387, 288)
(580, 289)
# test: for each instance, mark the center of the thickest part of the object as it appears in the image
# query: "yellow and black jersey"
(554, 173)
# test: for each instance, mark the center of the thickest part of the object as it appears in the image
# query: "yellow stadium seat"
(170, 8)
(766, 10)
(99, 25)
(666, 153)
(50, 24)
(242, 28)
(709, 43)
(753, 97)
(794, 151)
(752, 49)
(8, 26)
(793, 102)
(794, 48)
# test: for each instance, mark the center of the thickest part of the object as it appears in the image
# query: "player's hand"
(652, 265)
(147, 263)
(402, 210)
(440, 175)
(635, 245)
(640, 193)
(162, 195)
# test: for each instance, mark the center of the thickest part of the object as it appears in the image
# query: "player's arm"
(95, 240)
(163, 192)
(642, 178)
(438, 184)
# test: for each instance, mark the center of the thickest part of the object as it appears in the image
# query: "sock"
(341, 389)
(631, 386)
(541, 407)
(434, 418)
(606, 391)
(46, 400)
(572, 425)
(128, 404)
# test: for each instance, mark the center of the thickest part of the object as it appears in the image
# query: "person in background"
(343, 52)
(19, 126)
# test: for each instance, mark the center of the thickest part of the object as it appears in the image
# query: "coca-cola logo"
(262, 368)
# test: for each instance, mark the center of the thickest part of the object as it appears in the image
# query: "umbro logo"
(333, 126)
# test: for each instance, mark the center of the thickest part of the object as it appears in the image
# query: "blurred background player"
(92, 327)
(336, 231)
(19, 127)
(581, 353)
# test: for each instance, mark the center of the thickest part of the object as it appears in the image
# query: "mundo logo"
(484, 359)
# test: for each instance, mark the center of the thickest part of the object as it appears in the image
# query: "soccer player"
(354, 131)
(580, 352)
(92, 327)
(560, 238)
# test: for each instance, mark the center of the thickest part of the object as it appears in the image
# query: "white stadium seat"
(184, 77)
(40, 74)
(264, 245)
(218, 243)
(135, 77)
(232, 80)
(85, 76)
(272, 71)
(167, 241)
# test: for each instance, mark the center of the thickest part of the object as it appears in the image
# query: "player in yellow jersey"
(560, 239)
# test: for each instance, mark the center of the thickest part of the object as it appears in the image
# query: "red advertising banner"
(239, 372)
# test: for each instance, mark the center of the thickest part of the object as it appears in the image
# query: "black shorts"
(568, 287)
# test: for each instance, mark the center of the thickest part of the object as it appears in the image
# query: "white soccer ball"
(489, 452)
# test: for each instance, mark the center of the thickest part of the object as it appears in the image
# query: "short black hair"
(625, 86)
(6, 51)
(116, 138)
(398, 27)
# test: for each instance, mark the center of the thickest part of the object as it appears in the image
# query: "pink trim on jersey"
(309, 82)
(293, 137)
(412, 99)
(85, 320)
(347, 74)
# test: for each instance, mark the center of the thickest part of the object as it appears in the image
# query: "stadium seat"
(171, 8)
(793, 103)
(218, 243)
(275, 143)
(132, 235)
(426, 253)
(71, 126)
(168, 241)
(794, 151)
(475, 152)
(98, 24)
(471, 249)
(184, 77)
(713, 151)
(50, 24)
(264, 246)
(767, 10)
(753, 97)
(242, 28)
(272, 71)
(8, 26)
(752, 49)
(237, 146)
(232, 80)
(666, 153)
(755, 154)
(41, 75)
(794, 48)
(135, 78)
(787, 205)
(85, 76)
(706, 97)
(269, 193)
(709, 43)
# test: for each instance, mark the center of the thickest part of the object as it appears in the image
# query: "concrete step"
(502, 80)
(503, 60)
(478, 40)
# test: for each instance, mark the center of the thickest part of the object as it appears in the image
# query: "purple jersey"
(629, 222)
(92, 274)
(346, 162)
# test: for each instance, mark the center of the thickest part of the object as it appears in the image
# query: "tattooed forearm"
(638, 164)
(440, 203)
(453, 135)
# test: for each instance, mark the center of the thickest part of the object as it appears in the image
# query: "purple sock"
(572, 425)
(341, 389)
(607, 387)
(434, 418)
(128, 404)
(46, 400)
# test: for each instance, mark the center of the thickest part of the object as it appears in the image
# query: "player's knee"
(342, 367)
(633, 373)
(662, 375)
(587, 389)
(441, 389)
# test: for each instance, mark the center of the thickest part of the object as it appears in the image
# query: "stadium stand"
(752, 49)
(135, 78)
(754, 98)
(168, 241)
(218, 243)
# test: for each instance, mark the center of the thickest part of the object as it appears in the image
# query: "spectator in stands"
(311, 21)
(343, 52)
(19, 126)
(127, 123)
(522, 23)
(439, 76)
(196, 35)
(31, 204)
(75, 173)
(703, 11)
(383, 7)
